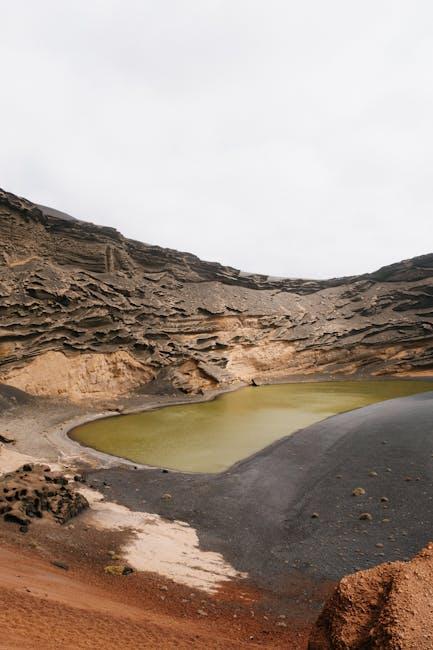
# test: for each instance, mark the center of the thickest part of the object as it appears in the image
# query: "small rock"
(60, 565)
(315, 515)
(167, 496)
(5, 440)
(118, 570)
(201, 612)
(379, 545)
(384, 499)
(358, 492)
(365, 516)
(17, 518)
(372, 473)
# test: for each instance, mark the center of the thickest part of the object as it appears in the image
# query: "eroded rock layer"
(87, 312)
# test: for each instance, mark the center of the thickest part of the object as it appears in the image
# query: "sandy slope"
(43, 606)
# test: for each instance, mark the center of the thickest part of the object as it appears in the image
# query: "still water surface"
(211, 436)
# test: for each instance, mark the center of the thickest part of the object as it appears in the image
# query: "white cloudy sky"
(283, 137)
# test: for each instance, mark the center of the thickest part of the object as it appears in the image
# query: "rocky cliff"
(85, 311)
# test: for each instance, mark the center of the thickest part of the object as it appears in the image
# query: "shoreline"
(165, 401)
(63, 416)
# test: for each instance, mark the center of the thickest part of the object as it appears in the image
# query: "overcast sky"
(282, 137)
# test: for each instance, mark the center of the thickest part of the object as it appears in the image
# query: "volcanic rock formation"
(33, 490)
(86, 312)
(388, 607)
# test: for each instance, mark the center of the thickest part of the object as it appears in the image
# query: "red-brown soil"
(389, 607)
(46, 606)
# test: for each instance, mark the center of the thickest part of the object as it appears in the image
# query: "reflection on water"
(211, 436)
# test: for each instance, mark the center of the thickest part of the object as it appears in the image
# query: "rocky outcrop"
(385, 608)
(87, 312)
(34, 490)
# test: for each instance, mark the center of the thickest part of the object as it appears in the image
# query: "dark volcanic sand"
(258, 513)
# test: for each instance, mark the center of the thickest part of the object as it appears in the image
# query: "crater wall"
(105, 315)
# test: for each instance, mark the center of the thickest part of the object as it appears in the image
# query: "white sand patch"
(170, 548)
(10, 460)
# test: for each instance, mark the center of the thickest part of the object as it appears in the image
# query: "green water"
(211, 436)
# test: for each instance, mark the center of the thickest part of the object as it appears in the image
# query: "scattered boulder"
(33, 490)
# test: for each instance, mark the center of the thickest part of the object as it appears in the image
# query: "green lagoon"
(212, 436)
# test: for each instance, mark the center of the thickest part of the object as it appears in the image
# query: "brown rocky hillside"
(86, 312)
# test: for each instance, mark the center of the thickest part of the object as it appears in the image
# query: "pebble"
(365, 516)
(358, 492)
(60, 565)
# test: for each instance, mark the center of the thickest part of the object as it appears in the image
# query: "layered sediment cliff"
(86, 312)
